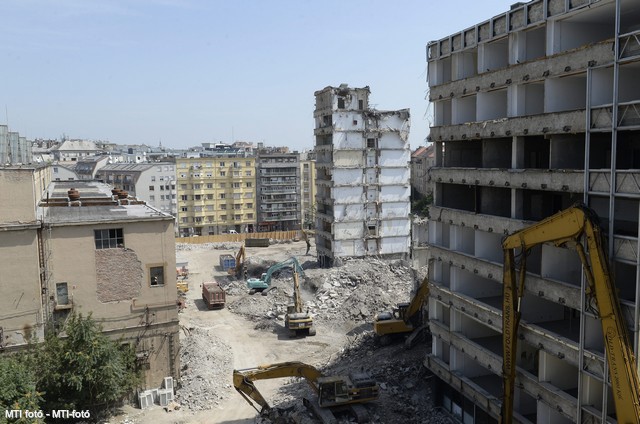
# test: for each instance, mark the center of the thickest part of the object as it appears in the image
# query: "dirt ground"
(250, 332)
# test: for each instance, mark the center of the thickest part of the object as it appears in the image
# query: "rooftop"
(95, 202)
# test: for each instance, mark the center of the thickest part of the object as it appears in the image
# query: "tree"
(18, 386)
(85, 370)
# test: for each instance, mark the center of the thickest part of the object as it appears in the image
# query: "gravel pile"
(180, 247)
(206, 366)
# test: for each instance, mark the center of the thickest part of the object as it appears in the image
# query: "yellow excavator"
(296, 320)
(405, 319)
(334, 393)
(569, 227)
(239, 269)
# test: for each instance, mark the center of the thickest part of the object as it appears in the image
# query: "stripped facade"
(362, 177)
(535, 109)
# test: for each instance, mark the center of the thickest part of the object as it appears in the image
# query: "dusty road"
(249, 346)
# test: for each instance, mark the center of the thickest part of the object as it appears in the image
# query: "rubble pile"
(206, 366)
(405, 392)
(353, 292)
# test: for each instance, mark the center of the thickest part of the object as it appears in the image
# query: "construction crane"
(334, 393)
(296, 320)
(568, 227)
(405, 319)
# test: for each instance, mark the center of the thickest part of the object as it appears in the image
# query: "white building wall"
(395, 194)
(346, 195)
(348, 158)
(391, 158)
(394, 176)
(347, 140)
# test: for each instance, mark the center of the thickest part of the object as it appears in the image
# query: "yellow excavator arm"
(243, 380)
(568, 227)
(418, 299)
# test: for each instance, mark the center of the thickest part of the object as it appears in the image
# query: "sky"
(185, 72)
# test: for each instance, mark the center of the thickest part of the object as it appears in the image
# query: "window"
(167, 187)
(109, 239)
(223, 185)
(360, 104)
(152, 198)
(209, 185)
(371, 143)
(196, 186)
(185, 220)
(236, 164)
(184, 209)
(249, 205)
(209, 196)
(249, 216)
(355, 122)
(223, 217)
(161, 179)
(151, 188)
(237, 206)
(340, 103)
(183, 186)
(184, 197)
(236, 185)
(223, 207)
(156, 276)
(247, 163)
(162, 197)
(248, 185)
(221, 164)
(153, 178)
(162, 188)
(222, 195)
(223, 174)
(197, 197)
(247, 173)
(198, 219)
(236, 173)
(238, 217)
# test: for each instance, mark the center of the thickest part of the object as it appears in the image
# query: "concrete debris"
(354, 292)
(206, 366)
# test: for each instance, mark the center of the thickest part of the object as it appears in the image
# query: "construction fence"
(226, 238)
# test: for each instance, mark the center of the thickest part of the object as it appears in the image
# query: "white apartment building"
(362, 177)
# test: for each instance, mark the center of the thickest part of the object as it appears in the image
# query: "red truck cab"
(213, 295)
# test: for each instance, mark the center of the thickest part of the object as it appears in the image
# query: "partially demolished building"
(362, 181)
(535, 109)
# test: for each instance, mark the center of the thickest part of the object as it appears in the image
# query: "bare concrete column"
(439, 156)
(517, 162)
(517, 153)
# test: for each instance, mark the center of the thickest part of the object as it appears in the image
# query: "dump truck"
(335, 394)
(213, 295)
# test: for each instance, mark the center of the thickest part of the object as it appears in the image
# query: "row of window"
(163, 187)
(211, 218)
(152, 198)
(222, 164)
(210, 185)
(221, 174)
(186, 197)
(236, 206)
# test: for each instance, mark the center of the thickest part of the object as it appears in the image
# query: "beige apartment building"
(535, 109)
(74, 246)
(216, 195)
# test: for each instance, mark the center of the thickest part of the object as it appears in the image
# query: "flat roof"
(96, 204)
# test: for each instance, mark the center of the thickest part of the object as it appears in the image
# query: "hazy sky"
(183, 72)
